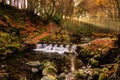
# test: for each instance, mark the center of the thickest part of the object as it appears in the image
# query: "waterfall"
(51, 48)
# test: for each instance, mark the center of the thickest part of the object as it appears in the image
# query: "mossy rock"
(50, 70)
(13, 47)
(94, 62)
(46, 63)
(48, 77)
(97, 71)
(92, 53)
(102, 76)
(80, 73)
(105, 69)
(109, 67)
(9, 48)
(84, 53)
(97, 56)
(61, 76)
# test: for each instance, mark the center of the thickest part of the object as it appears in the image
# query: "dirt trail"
(37, 39)
(44, 34)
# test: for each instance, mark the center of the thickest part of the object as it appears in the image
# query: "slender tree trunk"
(24, 4)
(17, 3)
(10, 2)
(31, 6)
(3, 1)
(14, 2)
(118, 7)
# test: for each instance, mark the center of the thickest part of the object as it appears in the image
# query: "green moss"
(80, 73)
(94, 62)
(105, 69)
(49, 71)
(47, 39)
(48, 77)
(97, 71)
(62, 76)
(102, 76)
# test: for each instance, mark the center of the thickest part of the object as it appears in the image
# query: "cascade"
(50, 48)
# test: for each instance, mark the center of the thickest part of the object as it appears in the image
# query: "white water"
(50, 48)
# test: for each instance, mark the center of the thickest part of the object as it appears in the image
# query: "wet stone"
(34, 70)
(33, 63)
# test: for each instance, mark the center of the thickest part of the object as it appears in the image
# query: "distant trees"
(101, 8)
(3, 1)
(111, 8)
(49, 8)
(118, 7)
(66, 8)
(45, 8)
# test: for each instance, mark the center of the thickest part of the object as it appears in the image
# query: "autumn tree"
(45, 8)
(65, 7)
(110, 7)
(118, 7)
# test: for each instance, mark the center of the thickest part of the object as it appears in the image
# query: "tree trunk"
(3, 1)
(24, 4)
(118, 7)
(10, 2)
(17, 3)
(14, 3)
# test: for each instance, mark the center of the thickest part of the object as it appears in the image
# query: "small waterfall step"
(51, 48)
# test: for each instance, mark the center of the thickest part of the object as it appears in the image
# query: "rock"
(33, 63)
(3, 66)
(47, 63)
(102, 76)
(70, 76)
(62, 76)
(105, 69)
(97, 71)
(48, 77)
(34, 70)
(50, 70)
(94, 62)
(22, 77)
(80, 73)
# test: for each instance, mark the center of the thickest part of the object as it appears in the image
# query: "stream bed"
(35, 65)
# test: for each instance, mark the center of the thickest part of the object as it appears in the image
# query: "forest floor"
(37, 39)
(21, 27)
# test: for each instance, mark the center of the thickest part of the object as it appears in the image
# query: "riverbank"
(29, 64)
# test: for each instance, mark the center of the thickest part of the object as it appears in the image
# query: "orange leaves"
(102, 45)
(98, 2)
(2, 23)
(15, 24)
(105, 3)
(106, 42)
